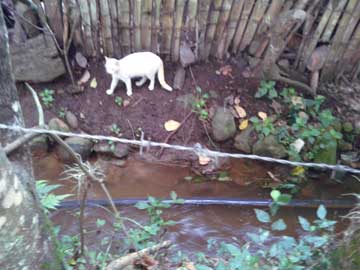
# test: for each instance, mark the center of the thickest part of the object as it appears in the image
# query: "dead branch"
(126, 260)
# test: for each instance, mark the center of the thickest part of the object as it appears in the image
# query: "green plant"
(48, 200)
(47, 97)
(266, 88)
(279, 199)
(199, 107)
(119, 101)
(264, 127)
(115, 129)
(62, 112)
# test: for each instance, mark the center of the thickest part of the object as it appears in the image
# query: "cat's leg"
(114, 83)
(128, 87)
(141, 82)
(152, 81)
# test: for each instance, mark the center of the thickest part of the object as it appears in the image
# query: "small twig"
(209, 137)
(130, 258)
(132, 130)
(273, 177)
(41, 121)
(84, 191)
(137, 102)
(9, 148)
(173, 132)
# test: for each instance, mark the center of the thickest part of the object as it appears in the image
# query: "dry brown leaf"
(240, 111)
(204, 160)
(171, 125)
(237, 100)
(244, 124)
(262, 115)
(126, 103)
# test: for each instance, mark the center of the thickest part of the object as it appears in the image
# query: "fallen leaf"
(298, 171)
(244, 124)
(298, 101)
(204, 160)
(262, 115)
(237, 101)
(171, 125)
(84, 78)
(93, 83)
(240, 111)
(126, 103)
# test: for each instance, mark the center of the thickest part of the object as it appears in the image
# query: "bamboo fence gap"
(248, 7)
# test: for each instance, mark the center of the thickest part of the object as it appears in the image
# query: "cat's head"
(112, 65)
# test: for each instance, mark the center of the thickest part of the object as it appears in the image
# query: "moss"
(347, 127)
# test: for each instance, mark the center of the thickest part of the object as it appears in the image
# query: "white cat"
(141, 64)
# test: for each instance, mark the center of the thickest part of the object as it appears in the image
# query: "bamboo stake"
(221, 30)
(236, 11)
(95, 31)
(345, 28)
(146, 18)
(125, 24)
(254, 21)
(75, 18)
(191, 14)
(155, 26)
(311, 45)
(137, 24)
(179, 14)
(167, 25)
(203, 14)
(273, 11)
(53, 16)
(351, 56)
(86, 23)
(242, 25)
(301, 4)
(288, 4)
(333, 20)
(105, 21)
(114, 27)
(211, 29)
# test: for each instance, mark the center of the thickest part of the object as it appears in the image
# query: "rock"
(29, 15)
(348, 127)
(349, 157)
(81, 146)
(269, 146)
(36, 60)
(223, 125)
(244, 140)
(327, 155)
(118, 150)
(187, 100)
(179, 79)
(71, 120)
(187, 57)
(81, 60)
(297, 145)
(84, 78)
(59, 125)
(284, 63)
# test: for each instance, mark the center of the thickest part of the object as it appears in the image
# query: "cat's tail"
(161, 78)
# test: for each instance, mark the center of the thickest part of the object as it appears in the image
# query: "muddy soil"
(148, 110)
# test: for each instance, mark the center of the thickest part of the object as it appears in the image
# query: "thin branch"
(39, 108)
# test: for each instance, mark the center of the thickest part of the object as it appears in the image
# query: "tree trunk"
(23, 241)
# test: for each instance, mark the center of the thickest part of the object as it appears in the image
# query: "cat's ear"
(106, 58)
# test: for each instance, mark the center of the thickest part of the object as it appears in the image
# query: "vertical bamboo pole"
(288, 4)
(167, 25)
(273, 11)
(236, 11)
(179, 14)
(333, 21)
(125, 24)
(146, 17)
(137, 24)
(53, 15)
(301, 4)
(351, 56)
(203, 15)
(75, 18)
(346, 26)
(115, 27)
(86, 23)
(94, 15)
(311, 45)
(242, 24)
(254, 21)
(211, 29)
(105, 21)
(221, 30)
(191, 14)
(156, 26)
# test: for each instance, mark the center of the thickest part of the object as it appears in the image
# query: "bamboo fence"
(214, 28)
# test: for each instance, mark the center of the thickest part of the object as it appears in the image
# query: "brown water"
(195, 224)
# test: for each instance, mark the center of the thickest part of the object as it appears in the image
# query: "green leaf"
(321, 212)
(262, 216)
(278, 225)
(275, 194)
(284, 199)
(261, 92)
(305, 224)
(100, 222)
(272, 93)
(142, 205)
(198, 89)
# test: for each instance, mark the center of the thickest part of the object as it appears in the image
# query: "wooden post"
(114, 28)
(203, 14)
(167, 21)
(211, 29)
(95, 30)
(125, 24)
(191, 14)
(179, 14)
(155, 26)
(86, 23)
(137, 24)
(146, 19)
